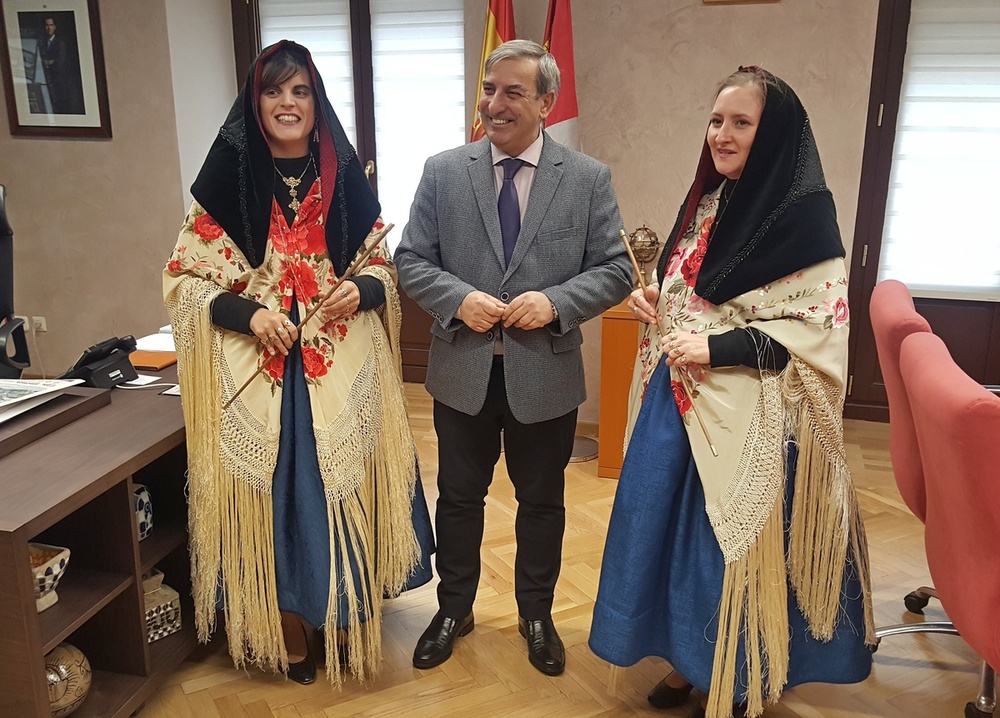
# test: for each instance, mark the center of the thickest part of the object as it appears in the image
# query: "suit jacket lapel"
(548, 174)
(484, 187)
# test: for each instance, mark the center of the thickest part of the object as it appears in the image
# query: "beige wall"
(645, 70)
(95, 219)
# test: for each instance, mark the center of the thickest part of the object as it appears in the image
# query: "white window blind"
(940, 237)
(418, 61)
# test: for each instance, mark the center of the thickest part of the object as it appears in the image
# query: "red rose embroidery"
(313, 362)
(301, 277)
(692, 264)
(174, 265)
(706, 227)
(238, 287)
(315, 240)
(374, 261)
(276, 367)
(681, 398)
(207, 228)
(838, 309)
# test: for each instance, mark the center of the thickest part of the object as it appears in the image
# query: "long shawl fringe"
(825, 521)
(373, 544)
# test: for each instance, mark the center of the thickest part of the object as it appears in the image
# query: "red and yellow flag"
(499, 29)
(561, 123)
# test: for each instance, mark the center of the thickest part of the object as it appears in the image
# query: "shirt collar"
(532, 155)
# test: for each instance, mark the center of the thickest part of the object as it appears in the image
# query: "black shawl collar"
(780, 217)
(236, 182)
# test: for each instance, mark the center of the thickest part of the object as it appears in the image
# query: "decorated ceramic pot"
(143, 510)
(67, 671)
(48, 563)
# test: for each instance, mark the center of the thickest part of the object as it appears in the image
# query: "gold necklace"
(292, 183)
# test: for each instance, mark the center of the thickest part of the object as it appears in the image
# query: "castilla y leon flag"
(499, 29)
(561, 123)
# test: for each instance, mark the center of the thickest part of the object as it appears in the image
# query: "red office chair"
(893, 319)
(958, 431)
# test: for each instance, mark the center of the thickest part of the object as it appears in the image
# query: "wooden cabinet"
(73, 488)
(619, 342)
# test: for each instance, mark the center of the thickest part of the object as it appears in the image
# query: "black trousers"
(536, 456)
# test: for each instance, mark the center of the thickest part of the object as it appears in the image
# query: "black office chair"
(13, 343)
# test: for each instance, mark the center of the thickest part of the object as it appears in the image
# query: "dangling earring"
(316, 132)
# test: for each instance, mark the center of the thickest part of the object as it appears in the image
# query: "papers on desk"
(159, 342)
(19, 395)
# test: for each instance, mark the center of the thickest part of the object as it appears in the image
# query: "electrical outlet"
(26, 320)
(38, 324)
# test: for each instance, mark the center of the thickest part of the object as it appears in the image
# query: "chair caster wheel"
(972, 712)
(915, 602)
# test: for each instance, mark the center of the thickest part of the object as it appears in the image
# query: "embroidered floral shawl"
(365, 451)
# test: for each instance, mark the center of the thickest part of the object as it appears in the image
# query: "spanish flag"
(499, 29)
(561, 123)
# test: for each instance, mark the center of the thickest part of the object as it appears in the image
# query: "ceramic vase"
(68, 674)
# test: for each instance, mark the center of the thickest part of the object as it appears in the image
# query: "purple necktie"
(508, 207)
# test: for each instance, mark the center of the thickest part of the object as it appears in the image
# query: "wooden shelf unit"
(73, 488)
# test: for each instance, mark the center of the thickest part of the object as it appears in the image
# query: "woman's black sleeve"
(231, 311)
(372, 292)
(739, 347)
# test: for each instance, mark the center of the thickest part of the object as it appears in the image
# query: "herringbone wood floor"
(920, 676)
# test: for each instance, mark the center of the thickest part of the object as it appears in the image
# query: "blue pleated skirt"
(661, 578)
(301, 526)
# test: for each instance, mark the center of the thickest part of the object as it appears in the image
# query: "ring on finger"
(343, 291)
(280, 330)
(289, 323)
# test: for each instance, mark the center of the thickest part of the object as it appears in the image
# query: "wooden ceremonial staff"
(355, 266)
(685, 380)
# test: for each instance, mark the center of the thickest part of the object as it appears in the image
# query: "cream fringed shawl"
(364, 447)
(750, 415)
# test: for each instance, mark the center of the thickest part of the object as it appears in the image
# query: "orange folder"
(152, 361)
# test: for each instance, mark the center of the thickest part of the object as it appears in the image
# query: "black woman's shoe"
(303, 672)
(663, 696)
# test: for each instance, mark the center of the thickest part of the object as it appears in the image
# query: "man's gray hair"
(548, 72)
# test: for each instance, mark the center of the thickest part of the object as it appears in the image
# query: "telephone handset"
(106, 364)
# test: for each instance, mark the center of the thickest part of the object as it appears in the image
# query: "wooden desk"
(619, 342)
(73, 487)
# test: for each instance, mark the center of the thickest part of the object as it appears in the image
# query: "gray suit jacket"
(568, 248)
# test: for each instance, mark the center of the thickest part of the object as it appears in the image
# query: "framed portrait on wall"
(52, 61)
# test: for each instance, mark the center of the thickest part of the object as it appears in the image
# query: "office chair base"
(924, 627)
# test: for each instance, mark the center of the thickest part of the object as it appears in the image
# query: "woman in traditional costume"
(304, 504)
(736, 549)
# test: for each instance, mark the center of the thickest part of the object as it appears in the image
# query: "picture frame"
(52, 61)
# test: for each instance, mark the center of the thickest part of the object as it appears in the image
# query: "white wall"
(200, 35)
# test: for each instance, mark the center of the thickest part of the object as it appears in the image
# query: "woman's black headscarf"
(780, 217)
(236, 183)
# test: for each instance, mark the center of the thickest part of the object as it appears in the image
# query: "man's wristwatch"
(555, 312)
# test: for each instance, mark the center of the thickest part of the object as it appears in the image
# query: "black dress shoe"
(435, 643)
(303, 672)
(545, 648)
(664, 696)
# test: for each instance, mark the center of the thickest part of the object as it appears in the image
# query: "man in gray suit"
(512, 243)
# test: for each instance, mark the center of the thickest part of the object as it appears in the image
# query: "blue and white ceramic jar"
(143, 510)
